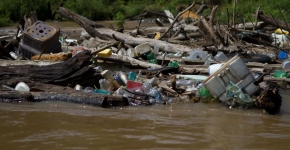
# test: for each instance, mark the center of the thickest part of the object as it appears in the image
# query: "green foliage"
(4, 21)
(119, 19)
(14, 10)
(245, 10)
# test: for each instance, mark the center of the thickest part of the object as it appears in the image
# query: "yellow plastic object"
(157, 36)
(189, 14)
(56, 57)
(281, 31)
(105, 53)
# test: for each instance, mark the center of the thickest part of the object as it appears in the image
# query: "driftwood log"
(107, 32)
(49, 92)
(70, 72)
(272, 21)
(15, 96)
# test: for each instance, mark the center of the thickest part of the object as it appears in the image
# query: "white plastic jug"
(213, 68)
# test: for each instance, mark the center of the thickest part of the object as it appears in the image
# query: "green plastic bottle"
(150, 56)
(204, 94)
(280, 74)
(173, 64)
(153, 61)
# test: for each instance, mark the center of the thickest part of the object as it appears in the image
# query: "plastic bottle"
(154, 93)
(101, 91)
(146, 87)
(139, 77)
(119, 91)
(98, 69)
(153, 61)
(123, 78)
(204, 94)
(118, 79)
(88, 89)
(131, 76)
(184, 98)
(280, 74)
(103, 84)
(156, 51)
(150, 57)
(174, 63)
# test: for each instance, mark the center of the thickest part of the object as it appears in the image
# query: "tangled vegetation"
(13, 11)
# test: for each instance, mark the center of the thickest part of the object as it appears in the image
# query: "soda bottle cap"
(282, 55)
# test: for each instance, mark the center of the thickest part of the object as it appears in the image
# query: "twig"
(176, 18)
(234, 12)
(105, 47)
(139, 26)
(201, 8)
(228, 17)
(256, 18)
(212, 15)
(283, 18)
(42, 51)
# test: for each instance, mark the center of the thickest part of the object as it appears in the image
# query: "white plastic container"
(21, 86)
(213, 68)
(281, 40)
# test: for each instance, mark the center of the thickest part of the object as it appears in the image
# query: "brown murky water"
(59, 125)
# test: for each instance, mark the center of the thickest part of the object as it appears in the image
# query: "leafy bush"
(119, 19)
(4, 21)
(117, 9)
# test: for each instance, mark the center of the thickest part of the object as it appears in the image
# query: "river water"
(58, 125)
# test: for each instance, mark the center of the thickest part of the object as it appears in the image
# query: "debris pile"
(238, 65)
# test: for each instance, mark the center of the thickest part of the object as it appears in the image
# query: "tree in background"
(14, 10)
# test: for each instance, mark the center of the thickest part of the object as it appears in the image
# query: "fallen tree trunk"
(72, 71)
(82, 21)
(50, 92)
(187, 28)
(121, 36)
(12, 96)
(272, 21)
(152, 42)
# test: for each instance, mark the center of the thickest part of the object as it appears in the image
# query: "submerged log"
(12, 96)
(82, 98)
(49, 92)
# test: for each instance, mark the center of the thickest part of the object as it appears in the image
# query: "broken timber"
(107, 32)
